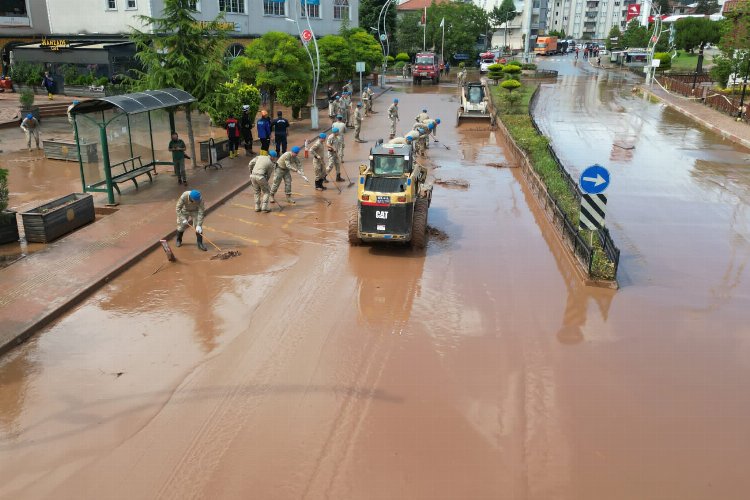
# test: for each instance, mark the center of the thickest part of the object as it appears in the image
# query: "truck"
(546, 45)
(426, 66)
(393, 198)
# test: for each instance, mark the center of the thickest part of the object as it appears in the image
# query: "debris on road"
(452, 183)
(436, 233)
(226, 255)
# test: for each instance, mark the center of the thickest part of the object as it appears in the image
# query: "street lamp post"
(383, 38)
(314, 63)
(744, 87)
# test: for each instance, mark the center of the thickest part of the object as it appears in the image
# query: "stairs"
(52, 108)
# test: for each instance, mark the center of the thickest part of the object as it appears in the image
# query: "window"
(274, 8)
(194, 5)
(132, 4)
(111, 4)
(341, 9)
(313, 10)
(232, 6)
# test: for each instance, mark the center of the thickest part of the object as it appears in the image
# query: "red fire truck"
(426, 66)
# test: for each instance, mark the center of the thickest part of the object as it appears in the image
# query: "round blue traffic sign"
(594, 179)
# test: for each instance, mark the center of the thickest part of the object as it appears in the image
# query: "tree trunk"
(191, 137)
(271, 100)
(699, 67)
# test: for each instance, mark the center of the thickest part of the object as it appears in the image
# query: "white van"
(485, 63)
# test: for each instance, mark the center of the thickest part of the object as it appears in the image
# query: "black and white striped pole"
(594, 181)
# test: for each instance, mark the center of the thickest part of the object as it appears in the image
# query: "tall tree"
(336, 63)
(635, 35)
(695, 32)
(664, 6)
(707, 7)
(503, 13)
(613, 38)
(464, 23)
(281, 61)
(177, 51)
(364, 47)
(409, 33)
(369, 10)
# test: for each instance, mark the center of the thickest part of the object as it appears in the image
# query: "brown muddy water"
(303, 368)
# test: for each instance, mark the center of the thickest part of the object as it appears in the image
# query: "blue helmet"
(195, 195)
(295, 149)
(29, 116)
(339, 117)
(359, 104)
(273, 154)
(322, 135)
(430, 126)
(408, 138)
(76, 102)
(396, 101)
(424, 110)
(437, 120)
(335, 130)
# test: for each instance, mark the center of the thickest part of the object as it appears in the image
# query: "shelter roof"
(138, 102)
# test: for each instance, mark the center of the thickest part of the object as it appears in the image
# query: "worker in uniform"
(246, 128)
(233, 134)
(347, 110)
(261, 168)
(280, 133)
(358, 122)
(338, 107)
(404, 71)
(366, 101)
(30, 127)
(70, 108)
(341, 126)
(422, 116)
(190, 205)
(432, 127)
(348, 87)
(332, 146)
(393, 116)
(370, 102)
(316, 150)
(286, 163)
(412, 137)
(263, 128)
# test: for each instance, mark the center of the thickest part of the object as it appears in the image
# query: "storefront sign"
(222, 25)
(54, 45)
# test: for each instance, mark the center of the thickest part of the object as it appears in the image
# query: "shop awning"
(138, 102)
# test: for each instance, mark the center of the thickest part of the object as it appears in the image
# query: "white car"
(485, 64)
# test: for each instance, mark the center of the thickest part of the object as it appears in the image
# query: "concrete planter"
(48, 222)
(8, 227)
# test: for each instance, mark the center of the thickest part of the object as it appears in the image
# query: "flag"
(424, 17)
(634, 11)
(442, 23)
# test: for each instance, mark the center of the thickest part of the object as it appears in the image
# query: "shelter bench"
(132, 168)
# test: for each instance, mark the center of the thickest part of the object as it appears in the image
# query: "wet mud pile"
(437, 234)
(453, 183)
(227, 254)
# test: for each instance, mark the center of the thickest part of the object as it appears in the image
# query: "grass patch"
(687, 62)
(535, 145)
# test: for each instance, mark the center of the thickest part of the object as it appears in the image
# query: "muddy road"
(304, 368)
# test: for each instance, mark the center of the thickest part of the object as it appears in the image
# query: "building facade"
(531, 21)
(95, 32)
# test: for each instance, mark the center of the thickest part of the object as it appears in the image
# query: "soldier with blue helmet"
(190, 205)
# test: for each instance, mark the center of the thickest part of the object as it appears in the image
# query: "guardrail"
(581, 249)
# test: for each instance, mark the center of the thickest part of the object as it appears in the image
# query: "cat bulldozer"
(475, 103)
(393, 198)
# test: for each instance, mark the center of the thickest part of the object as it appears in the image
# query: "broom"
(223, 254)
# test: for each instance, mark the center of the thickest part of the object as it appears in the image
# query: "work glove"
(305, 177)
(184, 222)
(199, 230)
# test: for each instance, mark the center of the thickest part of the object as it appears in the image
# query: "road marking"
(235, 235)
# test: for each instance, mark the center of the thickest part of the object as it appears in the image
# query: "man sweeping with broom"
(189, 205)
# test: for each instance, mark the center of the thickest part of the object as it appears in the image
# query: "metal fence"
(683, 85)
(583, 252)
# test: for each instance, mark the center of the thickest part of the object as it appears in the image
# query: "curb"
(698, 120)
(90, 288)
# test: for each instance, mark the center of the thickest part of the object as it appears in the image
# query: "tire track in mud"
(233, 410)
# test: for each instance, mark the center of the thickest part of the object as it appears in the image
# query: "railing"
(683, 85)
(571, 235)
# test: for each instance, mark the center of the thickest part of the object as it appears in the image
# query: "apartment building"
(588, 19)
(532, 20)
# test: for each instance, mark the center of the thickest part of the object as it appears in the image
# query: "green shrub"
(3, 189)
(400, 65)
(390, 60)
(228, 99)
(529, 66)
(510, 85)
(295, 95)
(512, 69)
(495, 72)
(721, 70)
(24, 73)
(665, 58)
(403, 57)
(101, 81)
(27, 98)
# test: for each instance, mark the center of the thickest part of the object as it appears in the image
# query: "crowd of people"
(272, 167)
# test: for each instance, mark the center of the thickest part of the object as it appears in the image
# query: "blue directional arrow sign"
(594, 180)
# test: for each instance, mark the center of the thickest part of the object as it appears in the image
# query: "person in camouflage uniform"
(286, 163)
(393, 117)
(332, 144)
(190, 205)
(358, 122)
(260, 170)
(316, 150)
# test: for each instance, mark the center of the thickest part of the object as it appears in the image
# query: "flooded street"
(480, 368)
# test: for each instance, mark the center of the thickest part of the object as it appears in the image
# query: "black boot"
(339, 178)
(319, 184)
(178, 242)
(200, 242)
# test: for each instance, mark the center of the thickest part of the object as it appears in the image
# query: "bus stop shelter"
(100, 113)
